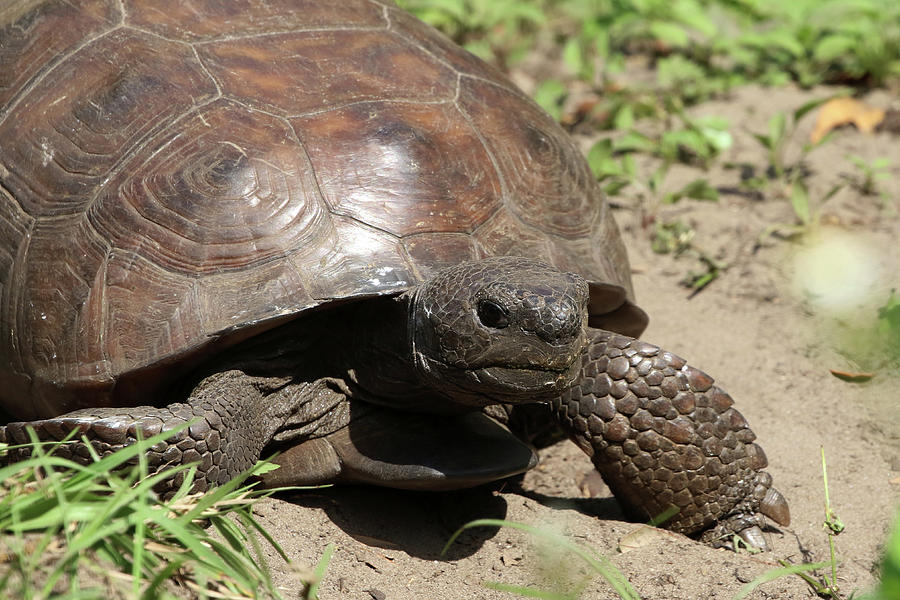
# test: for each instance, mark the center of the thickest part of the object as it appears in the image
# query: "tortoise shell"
(176, 178)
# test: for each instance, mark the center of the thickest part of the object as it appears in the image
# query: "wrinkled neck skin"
(379, 359)
(366, 344)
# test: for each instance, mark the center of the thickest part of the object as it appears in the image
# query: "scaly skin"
(662, 435)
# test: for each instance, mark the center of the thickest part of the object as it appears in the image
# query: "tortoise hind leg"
(232, 415)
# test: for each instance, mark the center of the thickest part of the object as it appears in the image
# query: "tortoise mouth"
(503, 383)
(518, 373)
(523, 383)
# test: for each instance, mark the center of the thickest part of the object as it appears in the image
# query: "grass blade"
(774, 574)
(600, 564)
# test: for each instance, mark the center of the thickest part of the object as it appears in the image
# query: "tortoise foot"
(747, 521)
(723, 535)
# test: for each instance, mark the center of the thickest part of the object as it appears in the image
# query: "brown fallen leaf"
(852, 377)
(844, 111)
(644, 535)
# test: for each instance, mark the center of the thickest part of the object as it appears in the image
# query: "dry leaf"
(852, 377)
(843, 111)
(645, 535)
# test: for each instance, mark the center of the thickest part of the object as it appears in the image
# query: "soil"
(758, 329)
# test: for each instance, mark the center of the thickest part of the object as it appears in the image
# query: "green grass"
(73, 531)
(700, 47)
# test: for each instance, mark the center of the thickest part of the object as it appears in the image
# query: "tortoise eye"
(492, 314)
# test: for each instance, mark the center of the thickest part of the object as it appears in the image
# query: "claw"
(775, 507)
(753, 537)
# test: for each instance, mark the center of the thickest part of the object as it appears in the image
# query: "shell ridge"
(49, 68)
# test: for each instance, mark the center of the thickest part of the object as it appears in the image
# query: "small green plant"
(791, 177)
(613, 164)
(686, 139)
(817, 41)
(871, 174)
(691, 81)
(833, 527)
(599, 34)
(870, 177)
(499, 31)
(99, 531)
(773, 574)
(700, 49)
(827, 587)
(550, 95)
(677, 238)
(782, 128)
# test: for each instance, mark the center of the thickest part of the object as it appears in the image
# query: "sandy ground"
(763, 342)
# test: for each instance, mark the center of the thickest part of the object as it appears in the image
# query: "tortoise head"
(503, 329)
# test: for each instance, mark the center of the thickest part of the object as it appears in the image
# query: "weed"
(773, 574)
(676, 237)
(870, 177)
(833, 527)
(781, 130)
(870, 174)
(98, 531)
(827, 587)
(791, 177)
(497, 31)
(701, 48)
(614, 166)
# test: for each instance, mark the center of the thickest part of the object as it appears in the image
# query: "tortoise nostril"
(556, 321)
(568, 318)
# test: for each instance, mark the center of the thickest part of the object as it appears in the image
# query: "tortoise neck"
(378, 356)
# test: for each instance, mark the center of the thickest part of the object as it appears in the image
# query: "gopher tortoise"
(323, 229)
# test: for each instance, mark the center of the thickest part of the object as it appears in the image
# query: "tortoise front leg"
(662, 435)
(233, 416)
